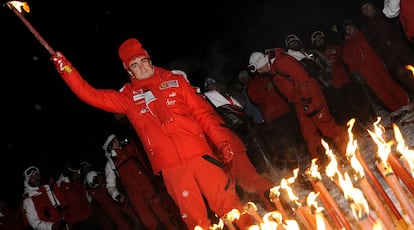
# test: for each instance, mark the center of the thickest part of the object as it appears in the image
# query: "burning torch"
(18, 7)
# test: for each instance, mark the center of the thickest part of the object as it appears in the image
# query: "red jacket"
(294, 82)
(362, 59)
(407, 18)
(79, 208)
(262, 92)
(39, 206)
(170, 141)
(340, 74)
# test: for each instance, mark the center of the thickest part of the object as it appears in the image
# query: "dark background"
(46, 125)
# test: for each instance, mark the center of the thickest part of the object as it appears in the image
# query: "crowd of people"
(189, 149)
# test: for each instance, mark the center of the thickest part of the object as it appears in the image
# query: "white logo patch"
(170, 102)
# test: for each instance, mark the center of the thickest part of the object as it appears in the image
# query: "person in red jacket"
(80, 211)
(111, 214)
(386, 37)
(361, 59)
(124, 166)
(345, 97)
(282, 132)
(315, 120)
(171, 121)
(44, 206)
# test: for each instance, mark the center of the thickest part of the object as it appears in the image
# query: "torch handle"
(379, 187)
(33, 30)
(401, 172)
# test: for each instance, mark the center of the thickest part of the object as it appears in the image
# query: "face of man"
(319, 41)
(264, 69)
(368, 9)
(141, 68)
(350, 29)
(35, 179)
(294, 45)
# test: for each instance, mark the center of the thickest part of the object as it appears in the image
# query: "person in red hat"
(171, 121)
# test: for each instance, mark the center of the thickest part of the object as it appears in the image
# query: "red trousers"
(246, 176)
(189, 182)
(147, 202)
(321, 125)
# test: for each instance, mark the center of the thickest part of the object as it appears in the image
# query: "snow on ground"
(368, 150)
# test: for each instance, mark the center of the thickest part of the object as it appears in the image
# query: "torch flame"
(291, 224)
(284, 184)
(407, 155)
(358, 203)
(313, 170)
(384, 148)
(410, 68)
(351, 150)
(234, 214)
(271, 221)
(332, 166)
(18, 5)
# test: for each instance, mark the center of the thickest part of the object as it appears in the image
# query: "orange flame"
(351, 150)
(291, 225)
(317, 210)
(384, 148)
(407, 155)
(284, 184)
(313, 170)
(358, 203)
(410, 68)
(18, 5)
(234, 214)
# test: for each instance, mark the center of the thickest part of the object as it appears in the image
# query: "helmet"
(91, 179)
(27, 173)
(257, 60)
(317, 34)
(209, 81)
(290, 38)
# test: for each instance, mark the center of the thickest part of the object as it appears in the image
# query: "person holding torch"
(171, 121)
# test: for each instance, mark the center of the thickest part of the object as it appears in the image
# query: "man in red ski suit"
(80, 210)
(362, 59)
(345, 96)
(282, 132)
(43, 206)
(292, 80)
(171, 121)
(112, 216)
(124, 166)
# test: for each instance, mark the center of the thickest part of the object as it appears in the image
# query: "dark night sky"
(47, 125)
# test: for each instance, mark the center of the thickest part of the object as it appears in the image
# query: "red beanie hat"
(130, 49)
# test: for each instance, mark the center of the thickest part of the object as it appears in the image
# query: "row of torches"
(371, 205)
(395, 166)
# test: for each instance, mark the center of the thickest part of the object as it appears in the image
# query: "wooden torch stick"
(31, 28)
(379, 187)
